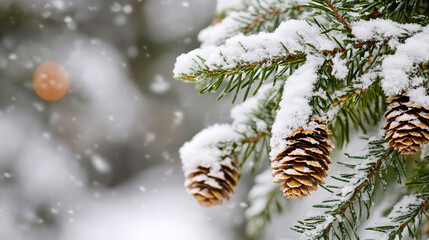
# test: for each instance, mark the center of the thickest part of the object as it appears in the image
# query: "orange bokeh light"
(51, 81)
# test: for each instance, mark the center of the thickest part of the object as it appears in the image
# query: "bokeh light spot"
(51, 81)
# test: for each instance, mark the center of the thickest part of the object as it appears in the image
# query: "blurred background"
(102, 162)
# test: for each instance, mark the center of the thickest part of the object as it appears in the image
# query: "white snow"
(100, 164)
(419, 96)
(339, 67)
(368, 78)
(295, 35)
(58, 4)
(178, 118)
(202, 150)
(128, 9)
(381, 29)
(159, 85)
(295, 110)
(396, 67)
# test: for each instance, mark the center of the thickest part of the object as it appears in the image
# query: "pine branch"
(205, 72)
(245, 55)
(341, 211)
(405, 214)
(346, 198)
(210, 67)
(334, 64)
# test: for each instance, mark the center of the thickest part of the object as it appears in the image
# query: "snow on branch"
(382, 29)
(260, 16)
(243, 60)
(405, 214)
(295, 110)
(398, 68)
(292, 38)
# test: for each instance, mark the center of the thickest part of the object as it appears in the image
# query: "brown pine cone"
(304, 162)
(210, 187)
(407, 125)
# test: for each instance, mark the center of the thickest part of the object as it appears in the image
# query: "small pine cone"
(211, 186)
(304, 162)
(407, 124)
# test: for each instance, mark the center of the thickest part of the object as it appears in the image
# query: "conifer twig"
(338, 15)
(422, 207)
(358, 190)
(405, 214)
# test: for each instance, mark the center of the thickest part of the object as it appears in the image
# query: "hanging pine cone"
(210, 187)
(303, 164)
(407, 124)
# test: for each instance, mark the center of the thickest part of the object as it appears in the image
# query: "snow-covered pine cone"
(209, 187)
(304, 162)
(407, 124)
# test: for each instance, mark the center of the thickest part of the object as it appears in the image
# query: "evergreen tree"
(310, 74)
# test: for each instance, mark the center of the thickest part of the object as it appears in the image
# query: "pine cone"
(210, 187)
(407, 124)
(303, 164)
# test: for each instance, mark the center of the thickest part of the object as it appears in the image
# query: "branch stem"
(338, 15)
